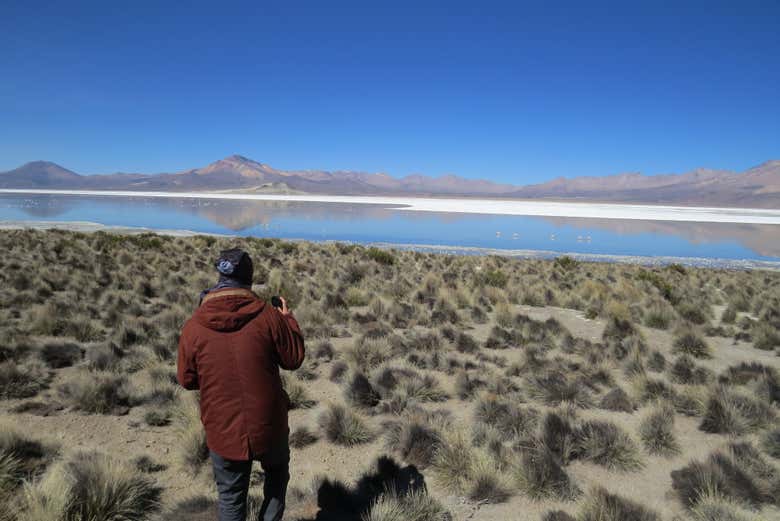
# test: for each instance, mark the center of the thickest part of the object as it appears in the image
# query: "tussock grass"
(540, 475)
(722, 476)
(606, 444)
(617, 400)
(555, 388)
(91, 485)
(98, 392)
(23, 380)
(511, 421)
(360, 393)
(192, 449)
(731, 412)
(601, 505)
(343, 427)
(415, 438)
(657, 431)
(302, 437)
(414, 505)
(691, 343)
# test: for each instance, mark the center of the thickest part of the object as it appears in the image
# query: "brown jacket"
(231, 349)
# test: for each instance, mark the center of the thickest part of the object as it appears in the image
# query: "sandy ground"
(473, 205)
(128, 436)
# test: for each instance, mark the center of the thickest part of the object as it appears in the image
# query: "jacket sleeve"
(187, 367)
(288, 341)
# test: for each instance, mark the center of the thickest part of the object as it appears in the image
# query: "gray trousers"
(232, 479)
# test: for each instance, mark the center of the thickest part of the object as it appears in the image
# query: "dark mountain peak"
(47, 166)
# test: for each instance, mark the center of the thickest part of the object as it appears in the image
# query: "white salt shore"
(476, 206)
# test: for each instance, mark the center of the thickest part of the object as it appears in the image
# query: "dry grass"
(402, 335)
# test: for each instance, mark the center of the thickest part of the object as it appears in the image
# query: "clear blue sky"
(511, 91)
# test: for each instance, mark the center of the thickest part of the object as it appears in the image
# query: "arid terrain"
(435, 386)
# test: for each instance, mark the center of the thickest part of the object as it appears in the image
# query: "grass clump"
(414, 438)
(343, 427)
(192, 449)
(98, 393)
(23, 380)
(738, 475)
(92, 486)
(604, 506)
(657, 431)
(731, 412)
(360, 393)
(414, 505)
(692, 344)
(462, 469)
(606, 444)
(302, 437)
(540, 475)
(617, 400)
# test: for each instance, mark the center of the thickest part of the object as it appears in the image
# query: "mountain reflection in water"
(378, 223)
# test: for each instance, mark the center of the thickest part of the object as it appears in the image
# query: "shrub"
(343, 427)
(657, 431)
(98, 393)
(603, 506)
(557, 515)
(92, 486)
(606, 444)
(692, 344)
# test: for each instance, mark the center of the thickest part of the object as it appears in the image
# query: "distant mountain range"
(758, 187)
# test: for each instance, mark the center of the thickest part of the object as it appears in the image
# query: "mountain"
(758, 187)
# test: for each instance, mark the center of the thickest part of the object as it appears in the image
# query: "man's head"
(235, 264)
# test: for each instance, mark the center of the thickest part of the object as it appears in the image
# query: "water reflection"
(377, 223)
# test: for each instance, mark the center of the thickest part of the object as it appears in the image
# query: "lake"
(388, 223)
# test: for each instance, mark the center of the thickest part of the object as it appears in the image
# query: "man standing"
(231, 350)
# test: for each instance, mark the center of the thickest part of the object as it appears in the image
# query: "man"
(231, 350)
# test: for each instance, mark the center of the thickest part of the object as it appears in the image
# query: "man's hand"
(284, 310)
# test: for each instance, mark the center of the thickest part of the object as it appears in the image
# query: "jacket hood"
(229, 312)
